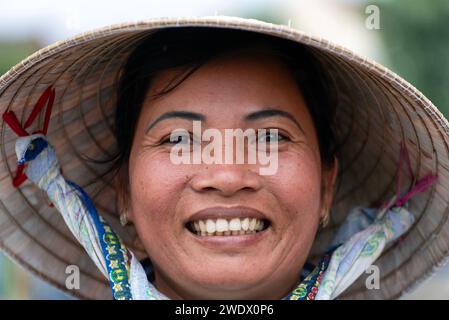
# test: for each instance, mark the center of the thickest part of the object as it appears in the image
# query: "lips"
(227, 221)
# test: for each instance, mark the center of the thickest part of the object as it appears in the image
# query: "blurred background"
(411, 37)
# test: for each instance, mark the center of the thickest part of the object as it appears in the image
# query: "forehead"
(234, 84)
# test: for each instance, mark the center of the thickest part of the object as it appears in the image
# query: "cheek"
(155, 183)
(297, 186)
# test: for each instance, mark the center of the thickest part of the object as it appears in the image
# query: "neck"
(274, 290)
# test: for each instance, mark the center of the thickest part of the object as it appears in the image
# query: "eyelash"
(283, 136)
(166, 139)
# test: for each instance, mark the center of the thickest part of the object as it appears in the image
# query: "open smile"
(227, 227)
(227, 222)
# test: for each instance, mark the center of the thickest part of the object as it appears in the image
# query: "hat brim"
(376, 111)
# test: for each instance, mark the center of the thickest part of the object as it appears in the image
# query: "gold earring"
(325, 220)
(123, 218)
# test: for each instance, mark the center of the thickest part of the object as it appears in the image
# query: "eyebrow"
(176, 114)
(267, 113)
(188, 115)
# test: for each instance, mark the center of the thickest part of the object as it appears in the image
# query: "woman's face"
(234, 91)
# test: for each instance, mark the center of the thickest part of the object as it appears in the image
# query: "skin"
(162, 195)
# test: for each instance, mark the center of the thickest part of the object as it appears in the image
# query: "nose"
(226, 179)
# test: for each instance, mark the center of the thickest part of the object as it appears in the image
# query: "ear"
(329, 178)
(121, 183)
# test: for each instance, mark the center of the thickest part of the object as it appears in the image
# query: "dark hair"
(192, 47)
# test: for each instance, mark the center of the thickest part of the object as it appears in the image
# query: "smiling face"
(168, 202)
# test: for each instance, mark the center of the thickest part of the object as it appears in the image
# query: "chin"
(228, 278)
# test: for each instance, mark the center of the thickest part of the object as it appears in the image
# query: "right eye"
(180, 138)
(177, 138)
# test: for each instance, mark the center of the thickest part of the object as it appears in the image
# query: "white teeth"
(252, 224)
(223, 227)
(235, 224)
(202, 226)
(245, 224)
(210, 226)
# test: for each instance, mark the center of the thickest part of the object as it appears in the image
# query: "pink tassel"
(421, 186)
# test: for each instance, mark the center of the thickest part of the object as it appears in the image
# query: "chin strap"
(102, 244)
(367, 231)
(47, 98)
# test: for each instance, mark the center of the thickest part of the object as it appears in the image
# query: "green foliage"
(416, 38)
(13, 52)
(265, 13)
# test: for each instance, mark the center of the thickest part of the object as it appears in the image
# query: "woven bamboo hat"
(377, 110)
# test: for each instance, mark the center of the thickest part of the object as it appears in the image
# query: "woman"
(217, 228)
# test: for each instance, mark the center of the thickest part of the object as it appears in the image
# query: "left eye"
(270, 136)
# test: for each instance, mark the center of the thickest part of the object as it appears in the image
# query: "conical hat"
(377, 111)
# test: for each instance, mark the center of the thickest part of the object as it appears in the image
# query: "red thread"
(38, 106)
(11, 119)
(20, 176)
(47, 98)
(420, 186)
